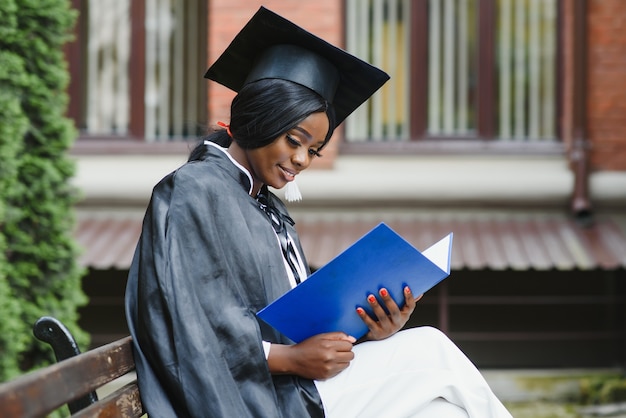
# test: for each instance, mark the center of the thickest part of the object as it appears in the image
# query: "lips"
(289, 174)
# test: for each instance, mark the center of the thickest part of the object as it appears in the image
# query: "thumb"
(340, 336)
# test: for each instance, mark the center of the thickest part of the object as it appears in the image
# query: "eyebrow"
(307, 134)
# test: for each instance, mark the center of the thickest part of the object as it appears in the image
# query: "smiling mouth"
(290, 174)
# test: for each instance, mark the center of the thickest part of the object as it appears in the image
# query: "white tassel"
(292, 192)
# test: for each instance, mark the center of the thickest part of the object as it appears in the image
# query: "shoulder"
(196, 175)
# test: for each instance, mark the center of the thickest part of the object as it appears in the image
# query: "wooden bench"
(74, 379)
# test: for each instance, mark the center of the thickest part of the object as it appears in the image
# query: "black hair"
(266, 109)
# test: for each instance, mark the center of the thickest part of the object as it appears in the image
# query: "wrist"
(279, 359)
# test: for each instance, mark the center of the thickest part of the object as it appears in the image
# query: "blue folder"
(328, 299)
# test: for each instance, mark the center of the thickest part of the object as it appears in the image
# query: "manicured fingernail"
(407, 290)
(384, 293)
(371, 299)
(360, 311)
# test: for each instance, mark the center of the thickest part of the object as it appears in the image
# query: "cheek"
(263, 163)
(276, 155)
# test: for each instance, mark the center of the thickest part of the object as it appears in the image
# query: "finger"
(377, 309)
(340, 348)
(344, 356)
(392, 307)
(342, 336)
(338, 368)
(389, 302)
(365, 317)
(409, 299)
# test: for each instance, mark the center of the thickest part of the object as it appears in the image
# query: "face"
(280, 162)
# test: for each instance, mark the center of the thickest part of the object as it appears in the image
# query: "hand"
(319, 357)
(390, 321)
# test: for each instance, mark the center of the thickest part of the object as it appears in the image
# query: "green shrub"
(603, 390)
(39, 274)
(13, 125)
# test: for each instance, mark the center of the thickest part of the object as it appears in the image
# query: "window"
(526, 51)
(379, 32)
(461, 69)
(134, 69)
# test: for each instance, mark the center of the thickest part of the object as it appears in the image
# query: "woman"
(217, 246)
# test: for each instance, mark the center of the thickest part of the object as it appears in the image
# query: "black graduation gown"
(206, 262)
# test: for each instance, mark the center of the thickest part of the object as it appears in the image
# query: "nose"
(301, 158)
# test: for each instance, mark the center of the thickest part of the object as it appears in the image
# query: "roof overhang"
(482, 240)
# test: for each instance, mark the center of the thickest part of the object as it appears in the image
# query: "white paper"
(439, 253)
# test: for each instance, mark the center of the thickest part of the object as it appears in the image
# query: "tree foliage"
(39, 274)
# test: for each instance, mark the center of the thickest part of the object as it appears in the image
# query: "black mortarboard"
(270, 46)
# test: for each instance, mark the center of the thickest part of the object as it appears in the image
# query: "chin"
(276, 184)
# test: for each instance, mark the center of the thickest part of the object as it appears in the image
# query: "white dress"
(418, 372)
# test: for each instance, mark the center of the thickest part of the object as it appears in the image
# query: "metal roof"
(495, 241)
(107, 241)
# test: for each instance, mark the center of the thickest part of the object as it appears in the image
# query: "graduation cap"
(270, 46)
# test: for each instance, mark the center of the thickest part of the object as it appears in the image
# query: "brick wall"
(606, 72)
(606, 95)
(324, 18)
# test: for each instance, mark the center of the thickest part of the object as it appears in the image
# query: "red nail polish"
(360, 311)
(407, 290)
(384, 293)
(371, 299)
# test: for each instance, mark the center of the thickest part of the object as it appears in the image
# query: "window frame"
(134, 141)
(483, 142)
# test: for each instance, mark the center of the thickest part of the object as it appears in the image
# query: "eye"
(293, 141)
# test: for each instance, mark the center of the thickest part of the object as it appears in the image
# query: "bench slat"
(123, 402)
(49, 388)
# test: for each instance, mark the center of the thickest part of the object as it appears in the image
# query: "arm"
(319, 357)
(325, 355)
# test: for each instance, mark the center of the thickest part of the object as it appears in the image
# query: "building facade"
(504, 122)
